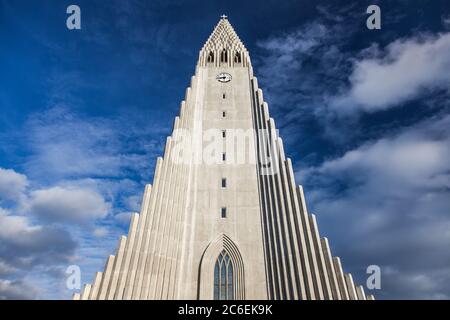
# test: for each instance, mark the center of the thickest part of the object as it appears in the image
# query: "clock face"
(224, 77)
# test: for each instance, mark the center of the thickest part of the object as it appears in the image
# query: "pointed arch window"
(224, 56)
(237, 57)
(223, 278)
(211, 57)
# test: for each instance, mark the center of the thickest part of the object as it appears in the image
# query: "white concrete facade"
(273, 243)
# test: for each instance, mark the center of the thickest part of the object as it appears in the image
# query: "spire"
(224, 47)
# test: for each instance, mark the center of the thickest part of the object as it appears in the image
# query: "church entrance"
(221, 273)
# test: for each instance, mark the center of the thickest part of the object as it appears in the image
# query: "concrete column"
(350, 287)
(273, 279)
(172, 235)
(141, 280)
(96, 286)
(360, 293)
(136, 251)
(125, 266)
(148, 283)
(86, 291)
(115, 275)
(180, 219)
(340, 278)
(275, 216)
(179, 288)
(330, 269)
(315, 291)
(280, 179)
(289, 192)
(323, 273)
(163, 269)
(106, 279)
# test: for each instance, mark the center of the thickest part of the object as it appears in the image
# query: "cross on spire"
(224, 16)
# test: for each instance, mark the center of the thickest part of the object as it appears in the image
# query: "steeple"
(224, 218)
(224, 48)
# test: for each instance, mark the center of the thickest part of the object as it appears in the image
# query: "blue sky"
(364, 116)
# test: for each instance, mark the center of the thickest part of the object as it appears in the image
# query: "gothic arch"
(208, 262)
(224, 56)
(237, 57)
(211, 57)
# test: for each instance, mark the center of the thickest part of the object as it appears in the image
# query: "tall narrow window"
(237, 58)
(224, 157)
(224, 114)
(223, 212)
(211, 57)
(223, 277)
(224, 133)
(224, 56)
(224, 182)
(224, 96)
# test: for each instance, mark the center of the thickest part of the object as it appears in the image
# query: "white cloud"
(69, 146)
(14, 226)
(100, 232)
(446, 21)
(134, 202)
(30, 252)
(65, 145)
(394, 195)
(16, 290)
(75, 177)
(283, 67)
(66, 204)
(406, 69)
(400, 161)
(124, 217)
(12, 184)
(6, 269)
(285, 49)
(21, 238)
(300, 69)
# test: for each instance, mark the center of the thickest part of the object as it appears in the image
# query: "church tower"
(224, 218)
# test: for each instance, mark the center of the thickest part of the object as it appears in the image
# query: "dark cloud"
(16, 290)
(26, 251)
(387, 203)
(43, 245)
